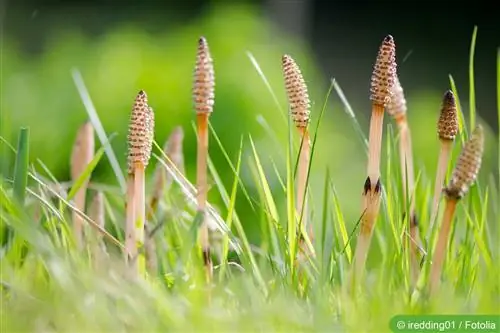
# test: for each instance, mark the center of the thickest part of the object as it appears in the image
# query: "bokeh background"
(123, 46)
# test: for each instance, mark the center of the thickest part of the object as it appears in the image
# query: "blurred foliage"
(38, 92)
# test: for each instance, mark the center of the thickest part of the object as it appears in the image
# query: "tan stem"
(375, 142)
(371, 191)
(150, 252)
(140, 212)
(408, 178)
(77, 219)
(130, 245)
(98, 247)
(371, 204)
(440, 249)
(202, 187)
(303, 169)
(444, 156)
(414, 246)
(361, 253)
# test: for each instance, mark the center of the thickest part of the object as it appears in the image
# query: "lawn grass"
(48, 284)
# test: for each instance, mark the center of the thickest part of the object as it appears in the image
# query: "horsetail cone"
(204, 79)
(467, 166)
(448, 118)
(397, 107)
(141, 132)
(384, 73)
(296, 90)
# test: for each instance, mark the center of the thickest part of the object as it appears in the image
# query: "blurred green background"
(120, 58)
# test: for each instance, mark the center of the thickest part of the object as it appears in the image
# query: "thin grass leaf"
(472, 91)
(462, 129)
(351, 114)
(255, 63)
(88, 169)
(270, 204)
(230, 209)
(21, 165)
(228, 160)
(339, 217)
(96, 123)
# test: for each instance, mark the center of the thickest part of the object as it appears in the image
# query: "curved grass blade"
(21, 166)
(472, 91)
(96, 123)
(89, 169)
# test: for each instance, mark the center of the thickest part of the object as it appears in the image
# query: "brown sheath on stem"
(447, 128)
(463, 176)
(203, 96)
(81, 156)
(381, 91)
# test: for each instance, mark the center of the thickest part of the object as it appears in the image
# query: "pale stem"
(130, 245)
(440, 249)
(375, 143)
(140, 211)
(202, 187)
(444, 156)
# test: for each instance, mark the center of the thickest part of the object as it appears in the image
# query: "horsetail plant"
(203, 96)
(462, 178)
(447, 129)
(397, 110)
(382, 82)
(81, 155)
(140, 140)
(298, 99)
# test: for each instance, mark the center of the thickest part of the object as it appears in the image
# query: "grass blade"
(271, 206)
(21, 166)
(461, 122)
(96, 122)
(472, 92)
(88, 170)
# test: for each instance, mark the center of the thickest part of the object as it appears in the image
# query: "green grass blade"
(351, 114)
(255, 63)
(96, 123)
(228, 160)
(21, 165)
(339, 217)
(230, 210)
(498, 111)
(472, 91)
(461, 122)
(88, 170)
(271, 205)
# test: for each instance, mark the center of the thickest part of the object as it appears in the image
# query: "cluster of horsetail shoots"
(81, 155)
(397, 109)
(203, 95)
(298, 99)
(140, 140)
(463, 176)
(447, 129)
(382, 83)
(386, 94)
